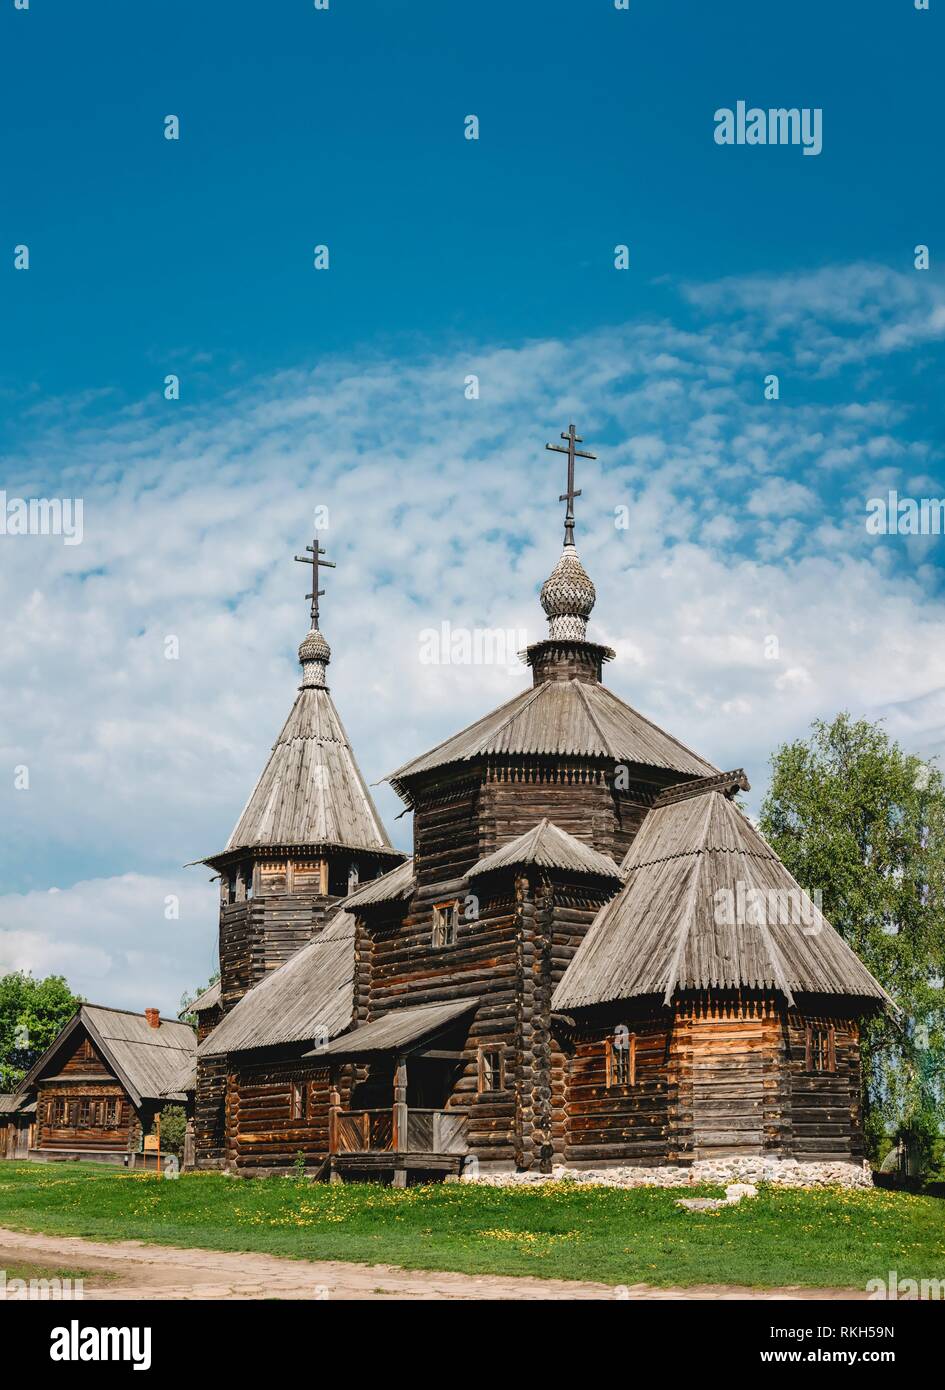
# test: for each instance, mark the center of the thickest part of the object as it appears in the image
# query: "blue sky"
(345, 388)
(345, 127)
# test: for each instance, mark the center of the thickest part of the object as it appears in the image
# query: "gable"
(74, 1054)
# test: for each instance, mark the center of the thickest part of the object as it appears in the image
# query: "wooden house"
(98, 1088)
(17, 1121)
(585, 962)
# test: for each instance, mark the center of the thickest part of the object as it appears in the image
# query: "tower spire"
(571, 438)
(568, 595)
(314, 653)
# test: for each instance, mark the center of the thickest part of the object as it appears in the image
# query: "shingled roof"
(146, 1060)
(311, 791)
(548, 847)
(690, 918)
(560, 718)
(394, 886)
(209, 999)
(400, 1028)
(310, 996)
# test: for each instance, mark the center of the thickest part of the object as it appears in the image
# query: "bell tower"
(309, 833)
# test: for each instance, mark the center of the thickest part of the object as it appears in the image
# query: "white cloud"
(746, 520)
(113, 939)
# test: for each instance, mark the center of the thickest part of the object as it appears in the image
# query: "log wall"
(619, 1124)
(730, 1077)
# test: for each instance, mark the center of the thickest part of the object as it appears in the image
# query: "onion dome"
(568, 596)
(314, 654)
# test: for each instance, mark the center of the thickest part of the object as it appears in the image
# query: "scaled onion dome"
(314, 654)
(568, 596)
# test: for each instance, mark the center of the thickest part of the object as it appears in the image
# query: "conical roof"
(547, 846)
(709, 905)
(572, 717)
(311, 791)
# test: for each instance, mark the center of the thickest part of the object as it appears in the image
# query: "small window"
(354, 877)
(85, 1114)
(300, 1100)
(491, 1069)
(231, 880)
(445, 920)
(821, 1052)
(621, 1059)
(247, 881)
(112, 1113)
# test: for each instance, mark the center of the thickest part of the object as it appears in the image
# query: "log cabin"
(592, 957)
(103, 1081)
(17, 1121)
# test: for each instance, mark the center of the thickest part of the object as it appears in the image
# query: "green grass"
(824, 1237)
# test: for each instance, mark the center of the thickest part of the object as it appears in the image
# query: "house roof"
(310, 996)
(560, 718)
(16, 1104)
(311, 791)
(396, 1030)
(208, 1000)
(396, 885)
(185, 1080)
(548, 847)
(145, 1060)
(708, 905)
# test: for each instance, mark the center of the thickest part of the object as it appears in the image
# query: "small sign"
(151, 1143)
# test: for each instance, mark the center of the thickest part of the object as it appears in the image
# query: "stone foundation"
(785, 1172)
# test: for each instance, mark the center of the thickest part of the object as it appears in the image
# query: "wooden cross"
(313, 558)
(571, 439)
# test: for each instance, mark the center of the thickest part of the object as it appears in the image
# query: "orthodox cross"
(313, 558)
(571, 439)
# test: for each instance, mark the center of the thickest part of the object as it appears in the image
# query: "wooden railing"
(362, 1131)
(372, 1131)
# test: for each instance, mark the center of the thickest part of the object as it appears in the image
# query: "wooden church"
(592, 958)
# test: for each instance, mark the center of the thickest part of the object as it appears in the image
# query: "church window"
(821, 1052)
(231, 886)
(247, 881)
(445, 919)
(491, 1069)
(622, 1059)
(353, 877)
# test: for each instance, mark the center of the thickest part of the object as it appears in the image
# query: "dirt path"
(139, 1271)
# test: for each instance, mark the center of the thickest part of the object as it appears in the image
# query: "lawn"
(820, 1237)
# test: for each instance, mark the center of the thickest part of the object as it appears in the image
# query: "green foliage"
(822, 1237)
(853, 815)
(32, 1012)
(173, 1129)
(299, 1166)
